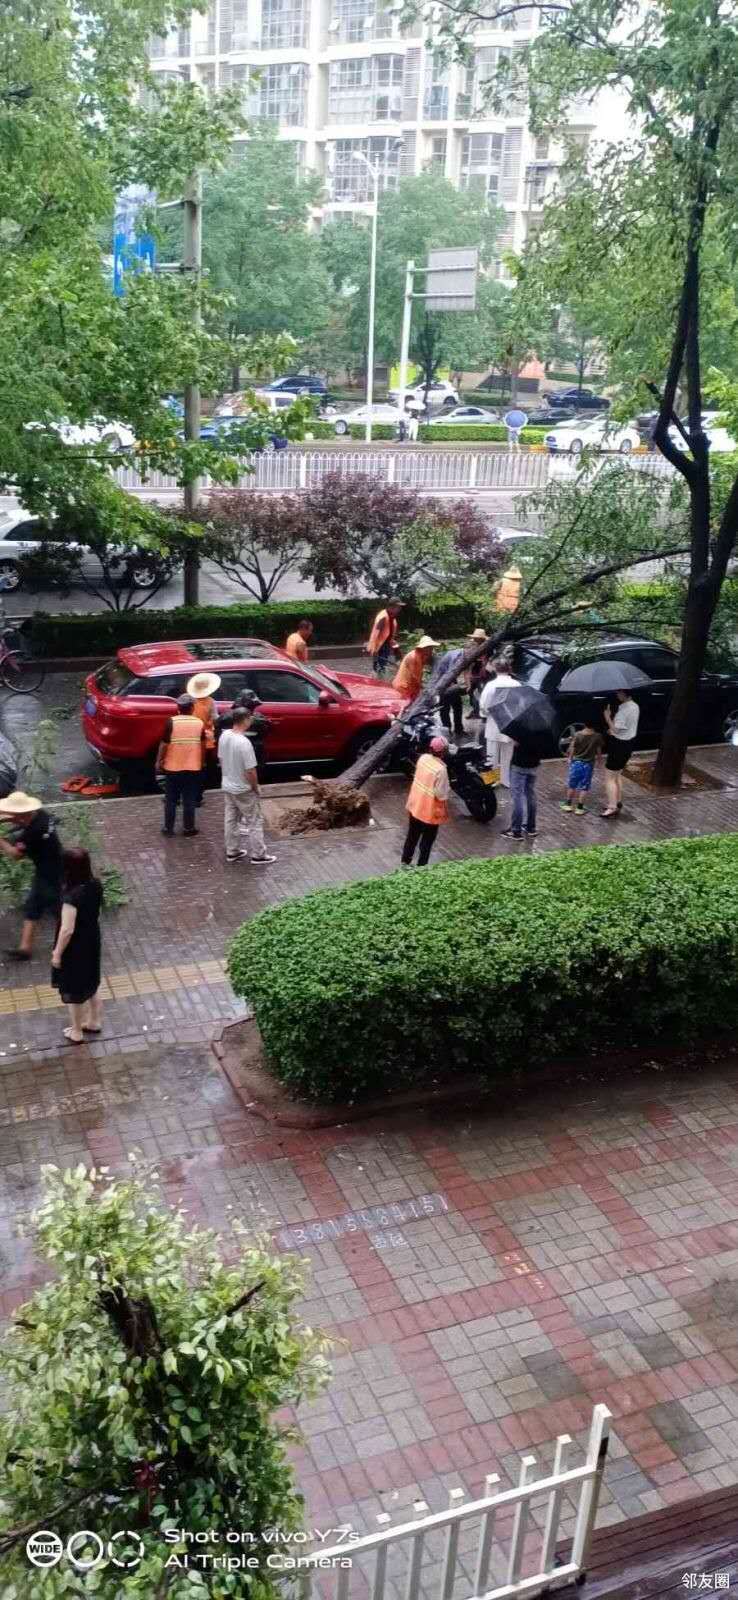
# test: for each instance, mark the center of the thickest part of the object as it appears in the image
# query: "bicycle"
(17, 674)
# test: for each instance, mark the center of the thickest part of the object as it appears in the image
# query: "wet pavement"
(494, 1271)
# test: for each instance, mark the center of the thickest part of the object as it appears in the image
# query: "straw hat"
(478, 635)
(203, 684)
(19, 804)
(426, 643)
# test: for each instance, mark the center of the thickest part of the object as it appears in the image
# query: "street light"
(357, 155)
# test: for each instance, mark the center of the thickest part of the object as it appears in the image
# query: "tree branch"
(244, 1300)
(13, 1536)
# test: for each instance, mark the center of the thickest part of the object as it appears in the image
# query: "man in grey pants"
(240, 784)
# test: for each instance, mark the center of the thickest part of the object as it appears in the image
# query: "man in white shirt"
(499, 747)
(242, 815)
(622, 729)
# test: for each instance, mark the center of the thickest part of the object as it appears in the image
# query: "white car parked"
(20, 532)
(440, 393)
(720, 440)
(112, 435)
(570, 438)
(381, 411)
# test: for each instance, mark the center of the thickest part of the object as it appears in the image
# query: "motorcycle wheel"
(480, 801)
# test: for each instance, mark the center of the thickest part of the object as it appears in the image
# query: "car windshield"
(114, 678)
(325, 681)
(531, 668)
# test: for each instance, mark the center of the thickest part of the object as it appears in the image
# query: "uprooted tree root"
(335, 805)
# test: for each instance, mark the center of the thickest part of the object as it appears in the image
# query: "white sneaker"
(238, 855)
(262, 861)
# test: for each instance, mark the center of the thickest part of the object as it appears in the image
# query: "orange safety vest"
(205, 710)
(408, 679)
(296, 647)
(423, 802)
(384, 627)
(184, 750)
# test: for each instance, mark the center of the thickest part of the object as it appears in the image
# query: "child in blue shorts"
(584, 748)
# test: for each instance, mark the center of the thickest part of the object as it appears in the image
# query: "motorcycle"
(470, 776)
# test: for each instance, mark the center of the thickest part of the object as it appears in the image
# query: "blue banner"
(132, 251)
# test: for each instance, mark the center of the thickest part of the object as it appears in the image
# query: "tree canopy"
(81, 117)
(422, 212)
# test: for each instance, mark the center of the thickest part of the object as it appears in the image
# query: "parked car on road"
(544, 664)
(317, 717)
(544, 417)
(440, 393)
(21, 533)
(217, 432)
(381, 411)
(572, 437)
(298, 383)
(578, 399)
(112, 435)
(480, 416)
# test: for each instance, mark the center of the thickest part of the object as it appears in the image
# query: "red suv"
(317, 715)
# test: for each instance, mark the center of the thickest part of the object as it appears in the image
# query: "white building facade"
(341, 77)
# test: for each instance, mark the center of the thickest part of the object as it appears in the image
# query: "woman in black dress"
(75, 958)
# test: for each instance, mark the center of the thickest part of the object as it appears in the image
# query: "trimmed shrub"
(488, 433)
(336, 622)
(491, 965)
(440, 433)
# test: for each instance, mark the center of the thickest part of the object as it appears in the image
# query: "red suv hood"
(367, 689)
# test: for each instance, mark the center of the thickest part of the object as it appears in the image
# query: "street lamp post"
(375, 172)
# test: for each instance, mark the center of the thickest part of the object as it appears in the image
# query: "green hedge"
(336, 622)
(440, 433)
(491, 965)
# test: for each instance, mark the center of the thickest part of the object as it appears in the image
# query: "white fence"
(428, 471)
(499, 1560)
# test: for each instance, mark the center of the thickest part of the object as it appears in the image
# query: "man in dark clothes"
(34, 838)
(524, 764)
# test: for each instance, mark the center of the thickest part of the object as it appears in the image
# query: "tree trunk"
(698, 614)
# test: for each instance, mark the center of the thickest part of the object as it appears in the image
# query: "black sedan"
(544, 664)
(578, 400)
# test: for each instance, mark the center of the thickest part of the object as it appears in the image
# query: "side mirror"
(325, 699)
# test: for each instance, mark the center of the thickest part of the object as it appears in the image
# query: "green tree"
(80, 118)
(140, 1387)
(422, 213)
(257, 248)
(657, 209)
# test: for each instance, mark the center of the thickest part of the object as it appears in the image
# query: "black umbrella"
(523, 713)
(605, 676)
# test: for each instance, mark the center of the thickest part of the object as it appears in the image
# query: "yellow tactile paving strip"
(116, 986)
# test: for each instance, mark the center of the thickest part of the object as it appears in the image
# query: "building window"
(435, 88)
(350, 180)
(353, 21)
(284, 24)
(279, 93)
(205, 43)
(438, 151)
(541, 148)
(235, 33)
(481, 162)
(367, 89)
(170, 47)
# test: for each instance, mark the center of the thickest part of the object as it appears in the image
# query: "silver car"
(20, 533)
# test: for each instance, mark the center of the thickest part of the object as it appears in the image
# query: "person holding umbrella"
(527, 718)
(621, 736)
(618, 678)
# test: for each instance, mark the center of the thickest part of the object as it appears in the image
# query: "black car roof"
(551, 647)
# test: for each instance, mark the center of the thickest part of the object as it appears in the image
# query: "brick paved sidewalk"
(526, 1261)
(163, 952)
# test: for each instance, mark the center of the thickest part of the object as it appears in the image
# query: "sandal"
(608, 813)
(70, 1039)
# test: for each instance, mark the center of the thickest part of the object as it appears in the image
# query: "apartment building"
(341, 78)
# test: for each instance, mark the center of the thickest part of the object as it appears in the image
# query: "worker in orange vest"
(408, 679)
(297, 642)
(202, 686)
(427, 803)
(180, 757)
(382, 640)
